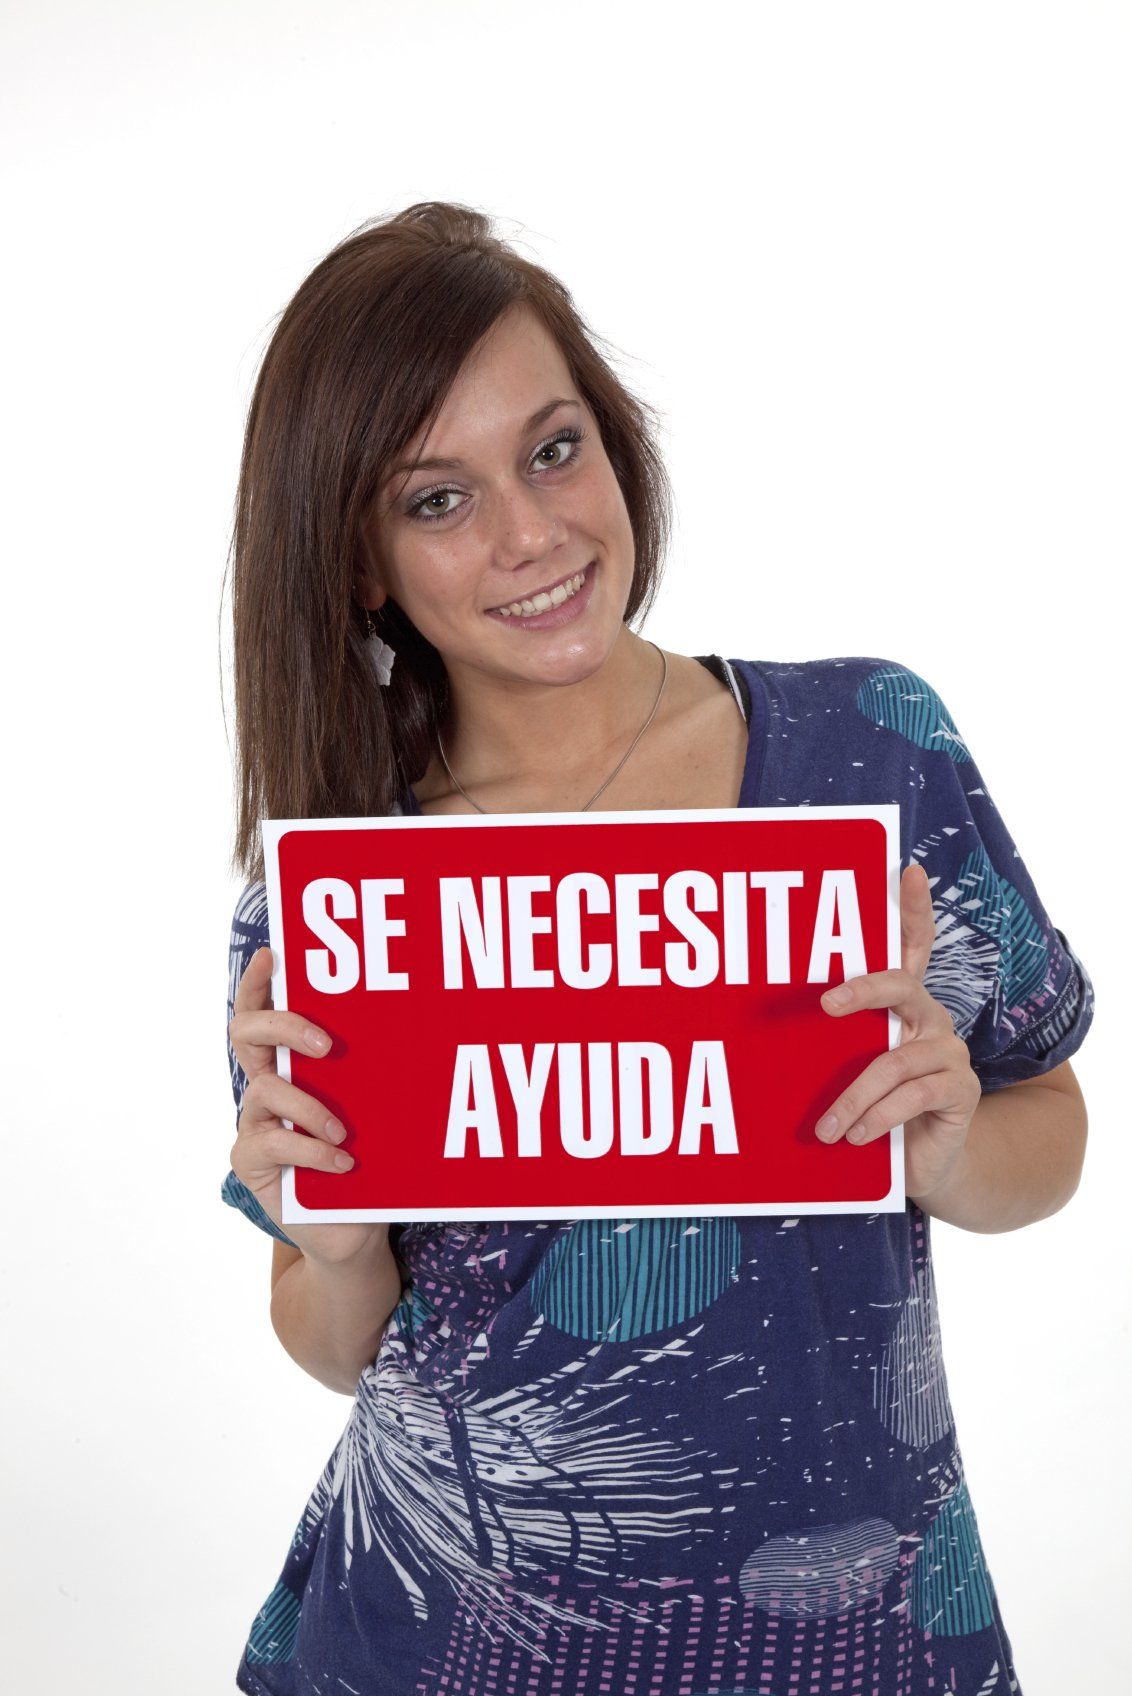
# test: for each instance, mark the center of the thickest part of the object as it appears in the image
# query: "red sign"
(557, 1015)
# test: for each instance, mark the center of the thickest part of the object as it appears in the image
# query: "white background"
(873, 263)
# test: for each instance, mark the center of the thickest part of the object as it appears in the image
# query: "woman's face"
(528, 509)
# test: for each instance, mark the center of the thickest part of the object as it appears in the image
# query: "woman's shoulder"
(834, 668)
(886, 693)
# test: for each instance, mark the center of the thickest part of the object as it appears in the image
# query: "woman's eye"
(572, 437)
(437, 494)
(558, 442)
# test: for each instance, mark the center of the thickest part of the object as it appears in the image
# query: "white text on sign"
(754, 907)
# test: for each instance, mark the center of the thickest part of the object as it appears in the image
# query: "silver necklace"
(613, 773)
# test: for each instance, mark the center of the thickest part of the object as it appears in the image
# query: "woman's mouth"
(563, 601)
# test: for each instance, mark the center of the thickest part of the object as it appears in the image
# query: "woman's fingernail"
(343, 1161)
(839, 995)
(826, 1127)
(316, 1039)
(335, 1130)
(857, 1134)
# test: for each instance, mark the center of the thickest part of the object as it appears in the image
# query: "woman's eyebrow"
(532, 423)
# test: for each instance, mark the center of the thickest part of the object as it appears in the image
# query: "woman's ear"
(370, 597)
(368, 588)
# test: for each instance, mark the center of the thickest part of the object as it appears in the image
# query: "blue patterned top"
(673, 1457)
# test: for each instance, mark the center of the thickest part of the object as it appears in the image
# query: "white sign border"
(886, 814)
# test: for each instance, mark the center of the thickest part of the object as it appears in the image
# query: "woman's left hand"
(926, 1083)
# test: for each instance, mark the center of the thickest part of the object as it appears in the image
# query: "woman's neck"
(503, 736)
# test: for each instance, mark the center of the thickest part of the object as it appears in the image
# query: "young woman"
(644, 1455)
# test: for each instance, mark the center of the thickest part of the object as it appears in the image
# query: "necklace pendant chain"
(613, 773)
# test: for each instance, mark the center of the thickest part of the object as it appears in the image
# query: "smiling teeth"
(544, 601)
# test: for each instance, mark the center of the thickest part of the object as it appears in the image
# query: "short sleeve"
(1018, 993)
(249, 932)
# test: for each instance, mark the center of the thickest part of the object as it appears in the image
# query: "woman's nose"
(525, 522)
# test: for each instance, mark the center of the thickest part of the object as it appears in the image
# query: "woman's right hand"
(263, 1144)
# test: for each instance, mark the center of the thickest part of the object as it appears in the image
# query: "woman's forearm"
(331, 1318)
(1020, 1163)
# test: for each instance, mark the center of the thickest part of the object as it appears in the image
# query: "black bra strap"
(731, 679)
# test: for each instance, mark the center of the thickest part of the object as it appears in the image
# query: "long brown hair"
(362, 358)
